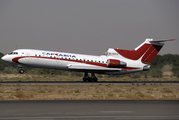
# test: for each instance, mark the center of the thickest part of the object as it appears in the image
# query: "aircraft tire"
(90, 80)
(84, 79)
(21, 71)
(95, 79)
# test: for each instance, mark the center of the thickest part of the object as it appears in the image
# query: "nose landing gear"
(21, 71)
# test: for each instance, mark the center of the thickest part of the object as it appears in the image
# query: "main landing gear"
(93, 78)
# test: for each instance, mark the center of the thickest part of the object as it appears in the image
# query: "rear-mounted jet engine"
(116, 63)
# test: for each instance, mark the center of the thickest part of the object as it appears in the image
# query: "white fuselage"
(71, 61)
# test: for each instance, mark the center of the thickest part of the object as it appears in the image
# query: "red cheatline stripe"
(72, 60)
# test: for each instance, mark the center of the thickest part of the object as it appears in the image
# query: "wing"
(91, 68)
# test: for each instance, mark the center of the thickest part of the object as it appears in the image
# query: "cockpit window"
(13, 53)
(10, 53)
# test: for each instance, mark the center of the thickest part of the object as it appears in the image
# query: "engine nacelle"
(116, 63)
(146, 68)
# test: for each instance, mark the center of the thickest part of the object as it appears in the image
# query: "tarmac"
(89, 109)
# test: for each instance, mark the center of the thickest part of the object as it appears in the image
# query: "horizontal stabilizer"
(162, 40)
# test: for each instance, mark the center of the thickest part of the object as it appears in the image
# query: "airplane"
(114, 62)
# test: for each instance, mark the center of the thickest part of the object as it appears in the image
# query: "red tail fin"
(146, 51)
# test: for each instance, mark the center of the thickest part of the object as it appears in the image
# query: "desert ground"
(110, 91)
(52, 92)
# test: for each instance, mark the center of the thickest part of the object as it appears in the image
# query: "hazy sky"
(87, 26)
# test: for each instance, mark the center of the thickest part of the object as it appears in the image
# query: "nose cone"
(3, 58)
(6, 58)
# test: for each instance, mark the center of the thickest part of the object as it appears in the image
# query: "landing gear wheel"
(84, 79)
(90, 80)
(21, 71)
(95, 79)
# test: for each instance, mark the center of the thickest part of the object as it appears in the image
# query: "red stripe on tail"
(148, 51)
(151, 53)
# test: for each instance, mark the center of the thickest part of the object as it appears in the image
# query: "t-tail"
(145, 52)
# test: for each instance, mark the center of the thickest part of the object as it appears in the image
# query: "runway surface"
(92, 83)
(90, 110)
